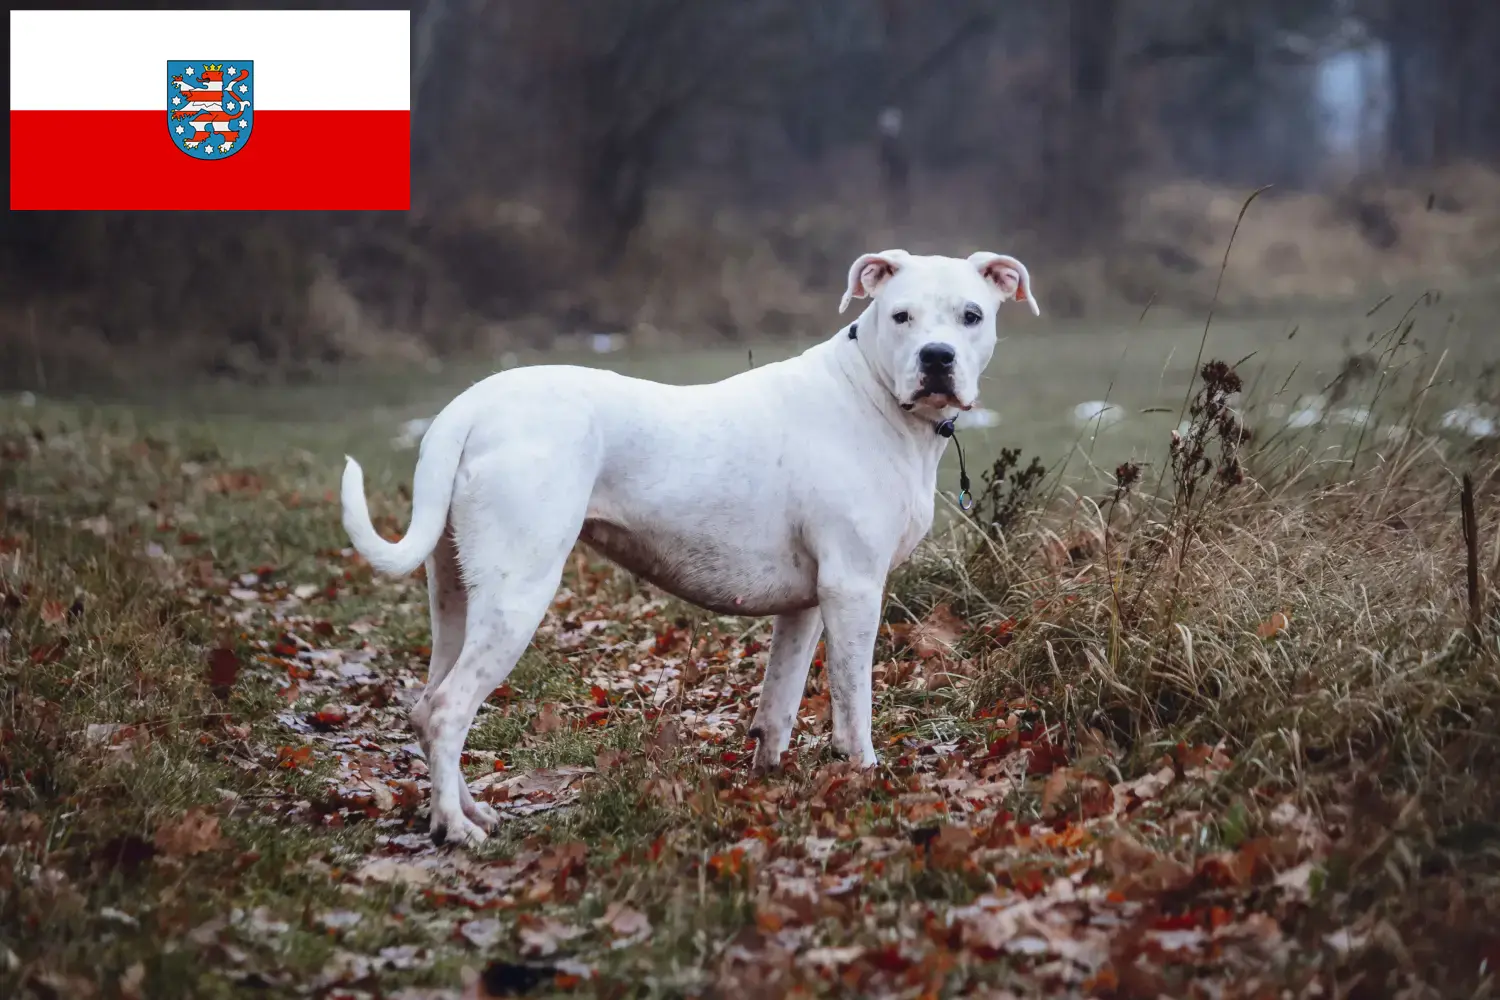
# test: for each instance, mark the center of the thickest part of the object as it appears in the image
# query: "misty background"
(701, 173)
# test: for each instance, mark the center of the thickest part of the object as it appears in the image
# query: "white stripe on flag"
(305, 60)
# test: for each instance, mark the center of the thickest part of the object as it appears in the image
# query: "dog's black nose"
(937, 355)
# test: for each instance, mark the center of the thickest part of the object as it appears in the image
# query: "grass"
(1190, 737)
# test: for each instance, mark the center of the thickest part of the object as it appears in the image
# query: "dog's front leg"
(794, 637)
(850, 607)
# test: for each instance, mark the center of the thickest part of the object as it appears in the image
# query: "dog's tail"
(432, 491)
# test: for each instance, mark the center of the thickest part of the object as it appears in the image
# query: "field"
(1219, 730)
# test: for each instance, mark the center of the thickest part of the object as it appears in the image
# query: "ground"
(1230, 745)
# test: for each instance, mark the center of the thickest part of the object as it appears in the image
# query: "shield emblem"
(209, 106)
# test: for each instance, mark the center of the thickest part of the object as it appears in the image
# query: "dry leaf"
(131, 981)
(192, 833)
(385, 799)
(936, 634)
(1057, 783)
(395, 871)
(608, 760)
(547, 720)
(482, 934)
(541, 936)
(628, 925)
(664, 740)
(223, 668)
(1149, 786)
(1278, 623)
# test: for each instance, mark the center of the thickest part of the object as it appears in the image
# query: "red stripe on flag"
(294, 160)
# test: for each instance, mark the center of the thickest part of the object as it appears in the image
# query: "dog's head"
(931, 329)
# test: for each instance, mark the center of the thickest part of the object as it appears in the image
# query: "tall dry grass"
(1307, 613)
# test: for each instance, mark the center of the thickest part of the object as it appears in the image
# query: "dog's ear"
(1007, 274)
(869, 272)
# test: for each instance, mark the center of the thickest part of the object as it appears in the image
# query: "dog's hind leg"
(794, 637)
(514, 530)
(448, 603)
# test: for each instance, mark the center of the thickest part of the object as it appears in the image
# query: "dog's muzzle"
(935, 363)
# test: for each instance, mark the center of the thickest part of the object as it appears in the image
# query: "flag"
(210, 109)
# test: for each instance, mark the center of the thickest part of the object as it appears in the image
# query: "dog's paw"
(764, 763)
(767, 756)
(482, 814)
(457, 830)
(862, 752)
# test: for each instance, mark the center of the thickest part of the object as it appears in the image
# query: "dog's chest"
(918, 517)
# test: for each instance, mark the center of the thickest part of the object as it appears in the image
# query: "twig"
(1471, 551)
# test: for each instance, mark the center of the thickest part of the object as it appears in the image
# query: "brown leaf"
(608, 760)
(1146, 787)
(624, 922)
(952, 846)
(290, 757)
(54, 612)
(223, 669)
(940, 672)
(1278, 623)
(384, 798)
(328, 717)
(664, 740)
(49, 652)
(1139, 871)
(541, 936)
(194, 832)
(936, 634)
(547, 720)
(131, 981)
(1057, 783)
(394, 870)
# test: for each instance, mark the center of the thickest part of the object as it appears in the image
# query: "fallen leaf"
(394, 870)
(482, 934)
(54, 612)
(936, 634)
(833, 958)
(223, 669)
(385, 799)
(547, 720)
(1297, 881)
(952, 846)
(290, 757)
(542, 936)
(607, 760)
(1140, 871)
(340, 920)
(664, 740)
(1147, 787)
(1278, 623)
(628, 925)
(131, 981)
(195, 832)
(328, 717)
(941, 672)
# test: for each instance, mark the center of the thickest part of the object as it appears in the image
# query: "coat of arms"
(208, 106)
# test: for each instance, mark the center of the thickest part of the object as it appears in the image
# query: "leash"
(944, 428)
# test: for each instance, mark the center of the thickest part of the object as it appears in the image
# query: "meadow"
(1207, 717)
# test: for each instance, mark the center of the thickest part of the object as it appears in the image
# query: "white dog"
(790, 490)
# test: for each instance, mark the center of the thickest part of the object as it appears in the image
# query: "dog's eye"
(972, 316)
(901, 316)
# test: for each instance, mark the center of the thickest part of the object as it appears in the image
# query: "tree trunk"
(1089, 159)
